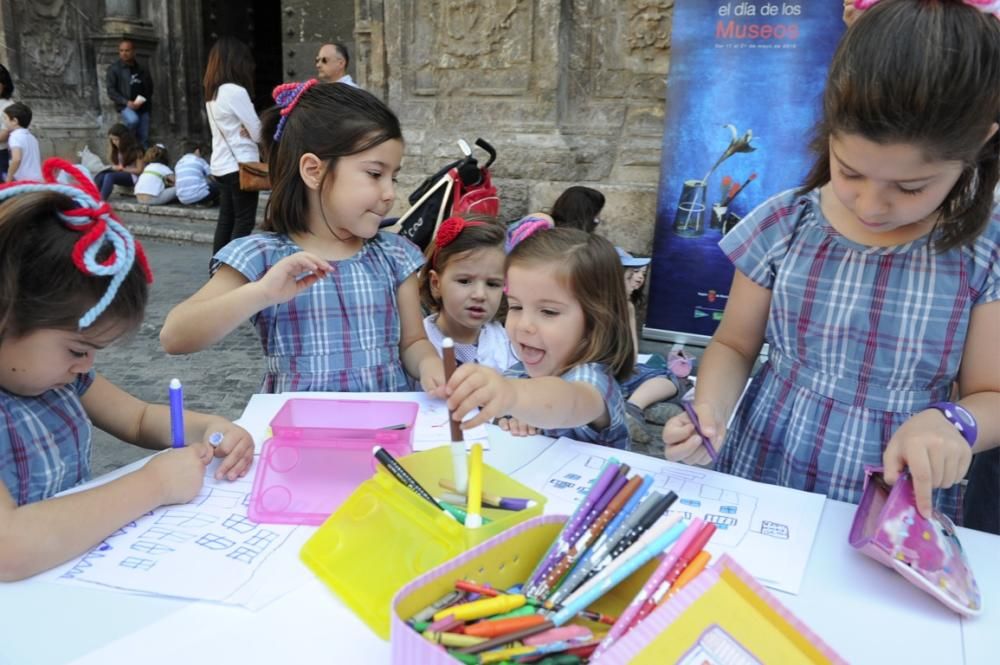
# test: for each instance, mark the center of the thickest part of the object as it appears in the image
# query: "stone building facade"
(569, 91)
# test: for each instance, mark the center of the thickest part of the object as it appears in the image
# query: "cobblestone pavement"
(220, 379)
(217, 380)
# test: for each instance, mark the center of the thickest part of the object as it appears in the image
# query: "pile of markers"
(619, 526)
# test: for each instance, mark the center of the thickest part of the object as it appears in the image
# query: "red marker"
(696, 545)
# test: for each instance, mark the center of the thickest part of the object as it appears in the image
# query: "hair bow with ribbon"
(98, 224)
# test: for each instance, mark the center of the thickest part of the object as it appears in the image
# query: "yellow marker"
(486, 607)
(474, 518)
(453, 639)
(501, 655)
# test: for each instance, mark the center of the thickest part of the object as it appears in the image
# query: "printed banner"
(743, 94)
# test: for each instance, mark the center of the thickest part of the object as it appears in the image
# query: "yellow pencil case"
(384, 535)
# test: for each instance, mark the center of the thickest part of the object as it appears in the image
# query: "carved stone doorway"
(257, 23)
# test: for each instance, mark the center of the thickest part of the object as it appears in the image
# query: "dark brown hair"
(20, 112)
(229, 61)
(590, 268)
(128, 148)
(578, 207)
(489, 234)
(925, 73)
(40, 287)
(330, 120)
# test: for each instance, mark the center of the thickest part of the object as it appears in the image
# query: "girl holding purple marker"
(74, 281)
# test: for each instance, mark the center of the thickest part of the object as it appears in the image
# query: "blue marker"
(176, 413)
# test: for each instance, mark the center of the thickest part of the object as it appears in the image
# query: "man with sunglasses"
(331, 64)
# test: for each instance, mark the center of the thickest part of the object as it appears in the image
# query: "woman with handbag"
(228, 83)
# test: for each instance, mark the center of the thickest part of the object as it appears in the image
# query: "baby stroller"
(459, 187)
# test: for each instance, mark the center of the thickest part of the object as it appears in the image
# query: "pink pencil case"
(888, 528)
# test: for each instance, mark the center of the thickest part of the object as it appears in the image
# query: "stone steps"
(175, 222)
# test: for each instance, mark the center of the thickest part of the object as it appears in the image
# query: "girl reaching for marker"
(334, 300)
(568, 323)
(73, 281)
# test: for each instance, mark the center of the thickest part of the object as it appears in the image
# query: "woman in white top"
(235, 127)
(6, 92)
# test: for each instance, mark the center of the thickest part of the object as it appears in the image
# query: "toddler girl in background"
(334, 300)
(568, 321)
(877, 284)
(74, 280)
(155, 185)
(462, 283)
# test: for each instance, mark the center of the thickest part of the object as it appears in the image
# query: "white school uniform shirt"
(493, 349)
(152, 180)
(192, 178)
(30, 167)
(230, 110)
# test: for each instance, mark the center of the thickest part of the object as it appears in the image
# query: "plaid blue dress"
(44, 441)
(341, 334)
(615, 434)
(861, 338)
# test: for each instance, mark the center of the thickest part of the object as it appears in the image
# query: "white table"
(866, 612)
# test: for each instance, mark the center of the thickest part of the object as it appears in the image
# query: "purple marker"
(563, 542)
(176, 413)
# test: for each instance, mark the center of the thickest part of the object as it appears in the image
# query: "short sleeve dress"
(341, 334)
(860, 337)
(615, 435)
(45, 441)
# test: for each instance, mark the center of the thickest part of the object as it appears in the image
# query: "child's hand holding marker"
(473, 386)
(232, 443)
(683, 439)
(291, 275)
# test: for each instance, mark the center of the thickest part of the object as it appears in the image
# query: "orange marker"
(694, 568)
(497, 627)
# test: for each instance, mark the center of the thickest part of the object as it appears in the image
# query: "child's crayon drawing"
(207, 549)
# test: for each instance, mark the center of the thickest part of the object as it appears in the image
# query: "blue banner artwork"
(743, 94)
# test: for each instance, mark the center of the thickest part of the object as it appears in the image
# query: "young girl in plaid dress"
(877, 284)
(568, 321)
(73, 281)
(334, 300)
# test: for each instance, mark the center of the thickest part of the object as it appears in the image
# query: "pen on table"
(402, 475)
(176, 413)
(491, 500)
(459, 462)
(474, 519)
(705, 441)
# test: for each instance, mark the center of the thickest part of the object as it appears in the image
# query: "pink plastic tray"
(303, 481)
(320, 419)
(320, 451)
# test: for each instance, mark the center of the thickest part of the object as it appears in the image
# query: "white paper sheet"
(769, 530)
(207, 549)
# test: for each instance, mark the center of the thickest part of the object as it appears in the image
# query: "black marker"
(401, 474)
